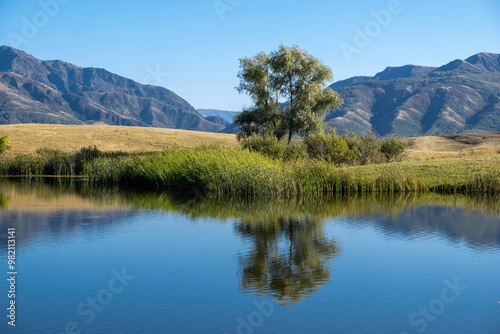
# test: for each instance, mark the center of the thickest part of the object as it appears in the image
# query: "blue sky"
(192, 47)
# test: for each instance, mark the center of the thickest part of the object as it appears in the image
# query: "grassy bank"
(235, 171)
(223, 170)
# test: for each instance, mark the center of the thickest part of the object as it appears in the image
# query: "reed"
(236, 171)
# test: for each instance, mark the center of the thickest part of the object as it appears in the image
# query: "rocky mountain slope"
(408, 101)
(35, 91)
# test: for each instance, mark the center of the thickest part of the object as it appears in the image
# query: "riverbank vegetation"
(348, 150)
(225, 170)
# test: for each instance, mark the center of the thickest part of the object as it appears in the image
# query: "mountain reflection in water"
(289, 256)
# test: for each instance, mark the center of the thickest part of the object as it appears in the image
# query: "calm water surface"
(107, 261)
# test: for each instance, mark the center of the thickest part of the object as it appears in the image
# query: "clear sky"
(192, 46)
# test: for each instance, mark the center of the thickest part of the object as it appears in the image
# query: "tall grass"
(485, 181)
(235, 171)
(210, 169)
(40, 164)
(51, 161)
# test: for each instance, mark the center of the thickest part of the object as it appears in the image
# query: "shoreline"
(234, 171)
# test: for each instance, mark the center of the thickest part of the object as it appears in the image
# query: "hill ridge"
(460, 96)
(86, 95)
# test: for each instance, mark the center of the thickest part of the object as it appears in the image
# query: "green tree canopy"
(289, 92)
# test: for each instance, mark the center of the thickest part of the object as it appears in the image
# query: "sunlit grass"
(224, 170)
(235, 171)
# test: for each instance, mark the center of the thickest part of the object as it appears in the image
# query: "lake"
(104, 260)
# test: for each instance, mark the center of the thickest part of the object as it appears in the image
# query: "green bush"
(296, 150)
(370, 148)
(267, 145)
(4, 144)
(353, 154)
(393, 149)
(88, 153)
(347, 150)
(328, 147)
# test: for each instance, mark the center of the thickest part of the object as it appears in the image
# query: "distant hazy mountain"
(35, 91)
(228, 116)
(462, 96)
(217, 120)
(232, 129)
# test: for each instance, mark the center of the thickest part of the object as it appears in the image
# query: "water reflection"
(474, 219)
(3, 202)
(288, 259)
(289, 255)
(43, 212)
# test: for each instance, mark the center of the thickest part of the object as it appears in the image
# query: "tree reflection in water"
(289, 259)
(290, 254)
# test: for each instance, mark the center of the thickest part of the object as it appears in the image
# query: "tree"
(289, 92)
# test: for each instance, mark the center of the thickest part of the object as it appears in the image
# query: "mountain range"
(36, 91)
(406, 101)
(226, 115)
(410, 101)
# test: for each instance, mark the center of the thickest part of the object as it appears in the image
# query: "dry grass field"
(27, 138)
(450, 146)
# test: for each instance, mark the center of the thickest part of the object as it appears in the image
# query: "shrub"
(328, 147)
(392, 148)
(4, 144)
(348, 149)
(296, 150)
(267, 145)
(353, 154)
(88, 153)
(369, 147)
(85, 154)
